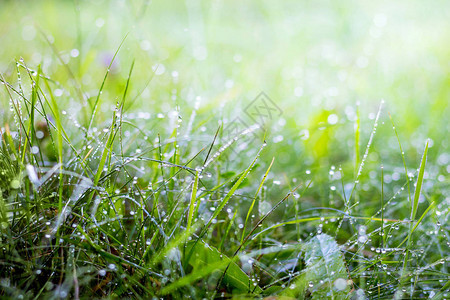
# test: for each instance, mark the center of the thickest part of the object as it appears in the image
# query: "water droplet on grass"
(15, 184)
(340, 284)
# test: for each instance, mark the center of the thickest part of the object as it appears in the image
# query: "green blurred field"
(312, 59)
(332, 54)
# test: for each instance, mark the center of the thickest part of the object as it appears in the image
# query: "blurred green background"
(314, 59)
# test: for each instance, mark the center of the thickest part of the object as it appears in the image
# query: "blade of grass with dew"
(417, 223)
(176, 153)
(225, 235)
(36, 87)
(107, 148)
(414, 207)
(231, 193)
(31, 134)
(360, 168)
(383, 242)
(9, 142)
(357, 137)
(59, 137)
(193, 201)
(120, 110)
(366, 152)
(254, 198)
(309, 219)
(403, 157)
(31, 129)
(16, 110)
(419, 183)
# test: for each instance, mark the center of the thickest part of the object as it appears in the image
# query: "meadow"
(224, 149)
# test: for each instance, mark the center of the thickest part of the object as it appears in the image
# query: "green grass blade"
(254, 199)
(403, 157)
(193, 200)
(417, 223)
(357, 138)
(419, 182)
(414, 207)
(230, 193)
(230, 224)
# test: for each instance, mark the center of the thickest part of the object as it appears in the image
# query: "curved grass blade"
(254, 199)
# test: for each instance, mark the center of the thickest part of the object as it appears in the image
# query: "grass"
(124, 172)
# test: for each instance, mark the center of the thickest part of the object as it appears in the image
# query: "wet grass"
(132, 165)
